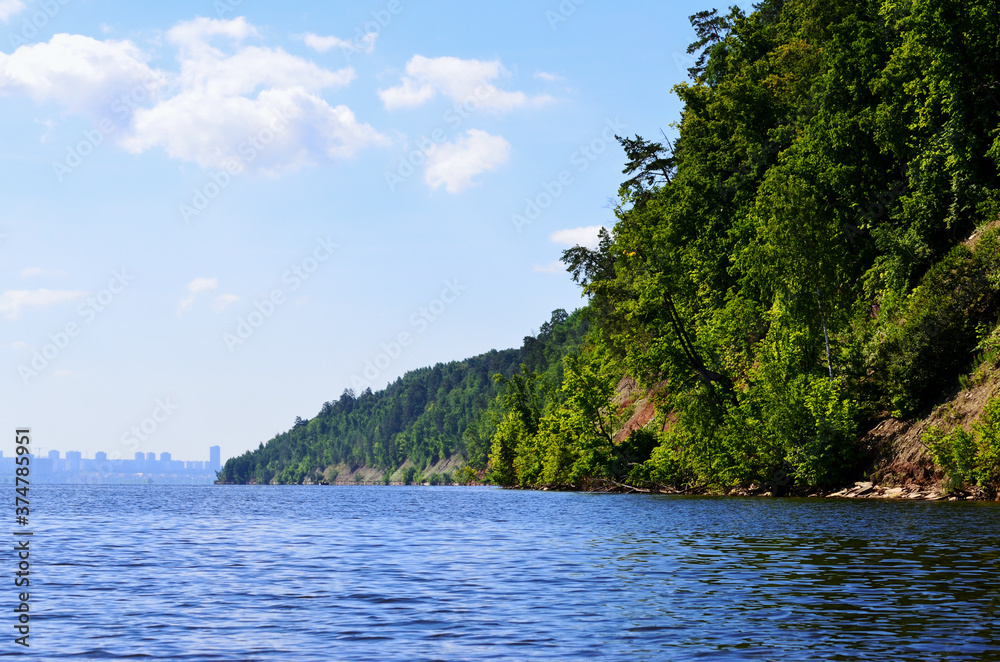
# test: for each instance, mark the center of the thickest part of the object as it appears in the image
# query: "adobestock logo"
(420, 321)
(266, 306)
(248, 150)
(88, 311)
(582, 159)
(48, 10)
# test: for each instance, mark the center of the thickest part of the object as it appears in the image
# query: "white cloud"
(13, 302)
(223, 301)
(225, 94)
(301, 129)
(587, 237)
(409, 93)
(83, 74)
(9, 8)
(195, 35)
(199, 285)
(205, 286)
(196, 287)
(323, 44)
(453, 165)
(464, 81)
(547, 77)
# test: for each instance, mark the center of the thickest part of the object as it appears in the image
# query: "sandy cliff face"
(897, 454)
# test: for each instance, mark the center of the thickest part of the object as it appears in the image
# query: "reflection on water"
(369, 573)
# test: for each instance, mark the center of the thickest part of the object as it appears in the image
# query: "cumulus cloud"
(227, 100)
(461, 80)
(547, 77)
(84, 75)
(195, 35)
(587, 237)
(8, 8)
(226, 94)
(453, 165)
(13, 302)
(324, 44)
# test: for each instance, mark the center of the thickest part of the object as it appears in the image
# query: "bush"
(970, 457)
(409, 475)
(922, 343)
(466, 475)
(664, 466)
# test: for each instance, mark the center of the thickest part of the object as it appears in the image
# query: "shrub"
(970, 457)
(409, 475)
(922, 343)
(466, 475)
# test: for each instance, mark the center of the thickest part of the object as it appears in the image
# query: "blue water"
(372, 573)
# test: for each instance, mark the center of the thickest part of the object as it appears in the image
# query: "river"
(452, 573)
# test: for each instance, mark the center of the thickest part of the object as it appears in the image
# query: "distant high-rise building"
(73, 460)
(53, 455)
(151, 457)
(140, 457)
(101, 456)
(215, 458)
(164, 457)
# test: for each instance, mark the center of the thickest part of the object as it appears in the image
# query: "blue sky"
(218, 215)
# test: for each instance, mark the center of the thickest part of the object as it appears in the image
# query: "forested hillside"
(424, 416)
(818, 249)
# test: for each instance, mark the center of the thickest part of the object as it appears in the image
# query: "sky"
(219, 214)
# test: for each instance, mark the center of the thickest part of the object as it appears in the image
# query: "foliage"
(424, 416)
(970, 457)
(800, 256)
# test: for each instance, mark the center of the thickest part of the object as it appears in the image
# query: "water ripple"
(365, 573)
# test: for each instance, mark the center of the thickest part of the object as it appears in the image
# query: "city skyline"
(71, 467)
